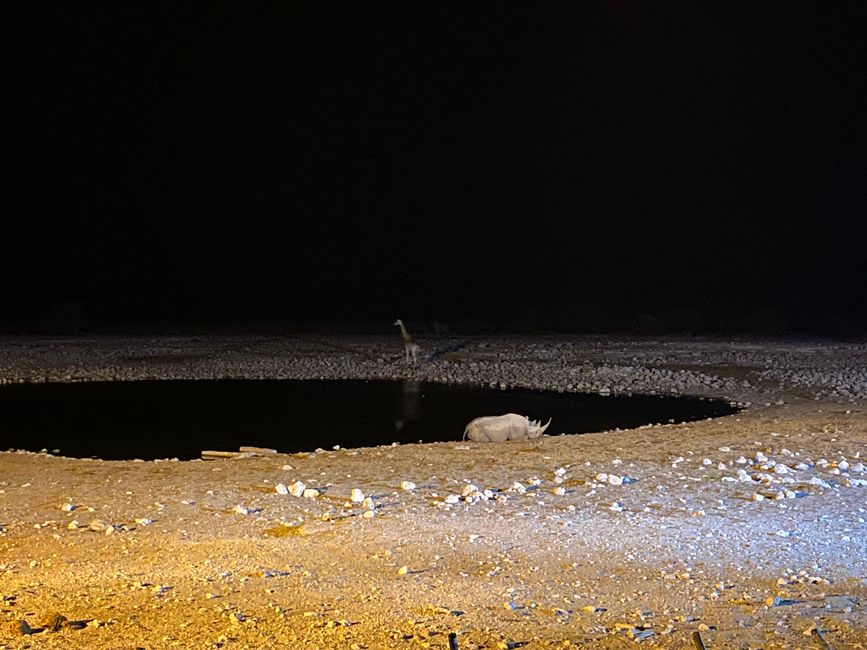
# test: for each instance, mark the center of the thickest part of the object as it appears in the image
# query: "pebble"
(310, 493)
(19, 627)
(469, 490)
(356, 496)
(281, 489)
(53, 621)
(407, 485)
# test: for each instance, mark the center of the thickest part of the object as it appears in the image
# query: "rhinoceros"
(499, 428)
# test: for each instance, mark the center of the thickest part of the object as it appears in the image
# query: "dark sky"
(433, 160)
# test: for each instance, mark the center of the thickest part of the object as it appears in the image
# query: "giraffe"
(409, 346)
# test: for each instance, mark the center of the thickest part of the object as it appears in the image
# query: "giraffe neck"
(406, 337)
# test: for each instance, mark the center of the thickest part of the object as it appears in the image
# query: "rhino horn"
(544, 427)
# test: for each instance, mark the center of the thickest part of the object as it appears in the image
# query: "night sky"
(537, 162)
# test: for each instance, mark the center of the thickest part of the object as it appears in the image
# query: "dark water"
(164, 419)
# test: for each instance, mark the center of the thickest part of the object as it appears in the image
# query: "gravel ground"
(748, 531)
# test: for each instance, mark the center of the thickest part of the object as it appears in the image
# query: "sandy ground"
(748, 530)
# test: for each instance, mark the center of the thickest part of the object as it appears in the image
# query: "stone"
(19, 627)
(53, 621)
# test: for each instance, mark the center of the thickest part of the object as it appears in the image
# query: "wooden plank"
(218, 454)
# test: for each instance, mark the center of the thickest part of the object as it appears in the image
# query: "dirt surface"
(748, 530)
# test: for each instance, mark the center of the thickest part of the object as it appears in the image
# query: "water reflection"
(408, 408)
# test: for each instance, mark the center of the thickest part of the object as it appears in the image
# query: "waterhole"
(167, 419)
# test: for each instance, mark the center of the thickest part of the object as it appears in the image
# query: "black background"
(551, 164)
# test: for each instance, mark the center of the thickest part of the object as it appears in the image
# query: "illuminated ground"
(748, 529)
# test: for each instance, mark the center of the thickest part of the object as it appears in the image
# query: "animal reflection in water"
(408, 409)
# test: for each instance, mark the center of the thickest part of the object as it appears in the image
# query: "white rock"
(281, 489)
(242, 510)
(602, 477)
(559, 471)
(452, 499)
(144, 521)
(310, 493)
(407, 485)
(356, 496)
(68, 507)
(559, 491)
(617, 507)
(707, 461)
(613, 479)
(297, 489)
(368, 503)
(469, 490)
